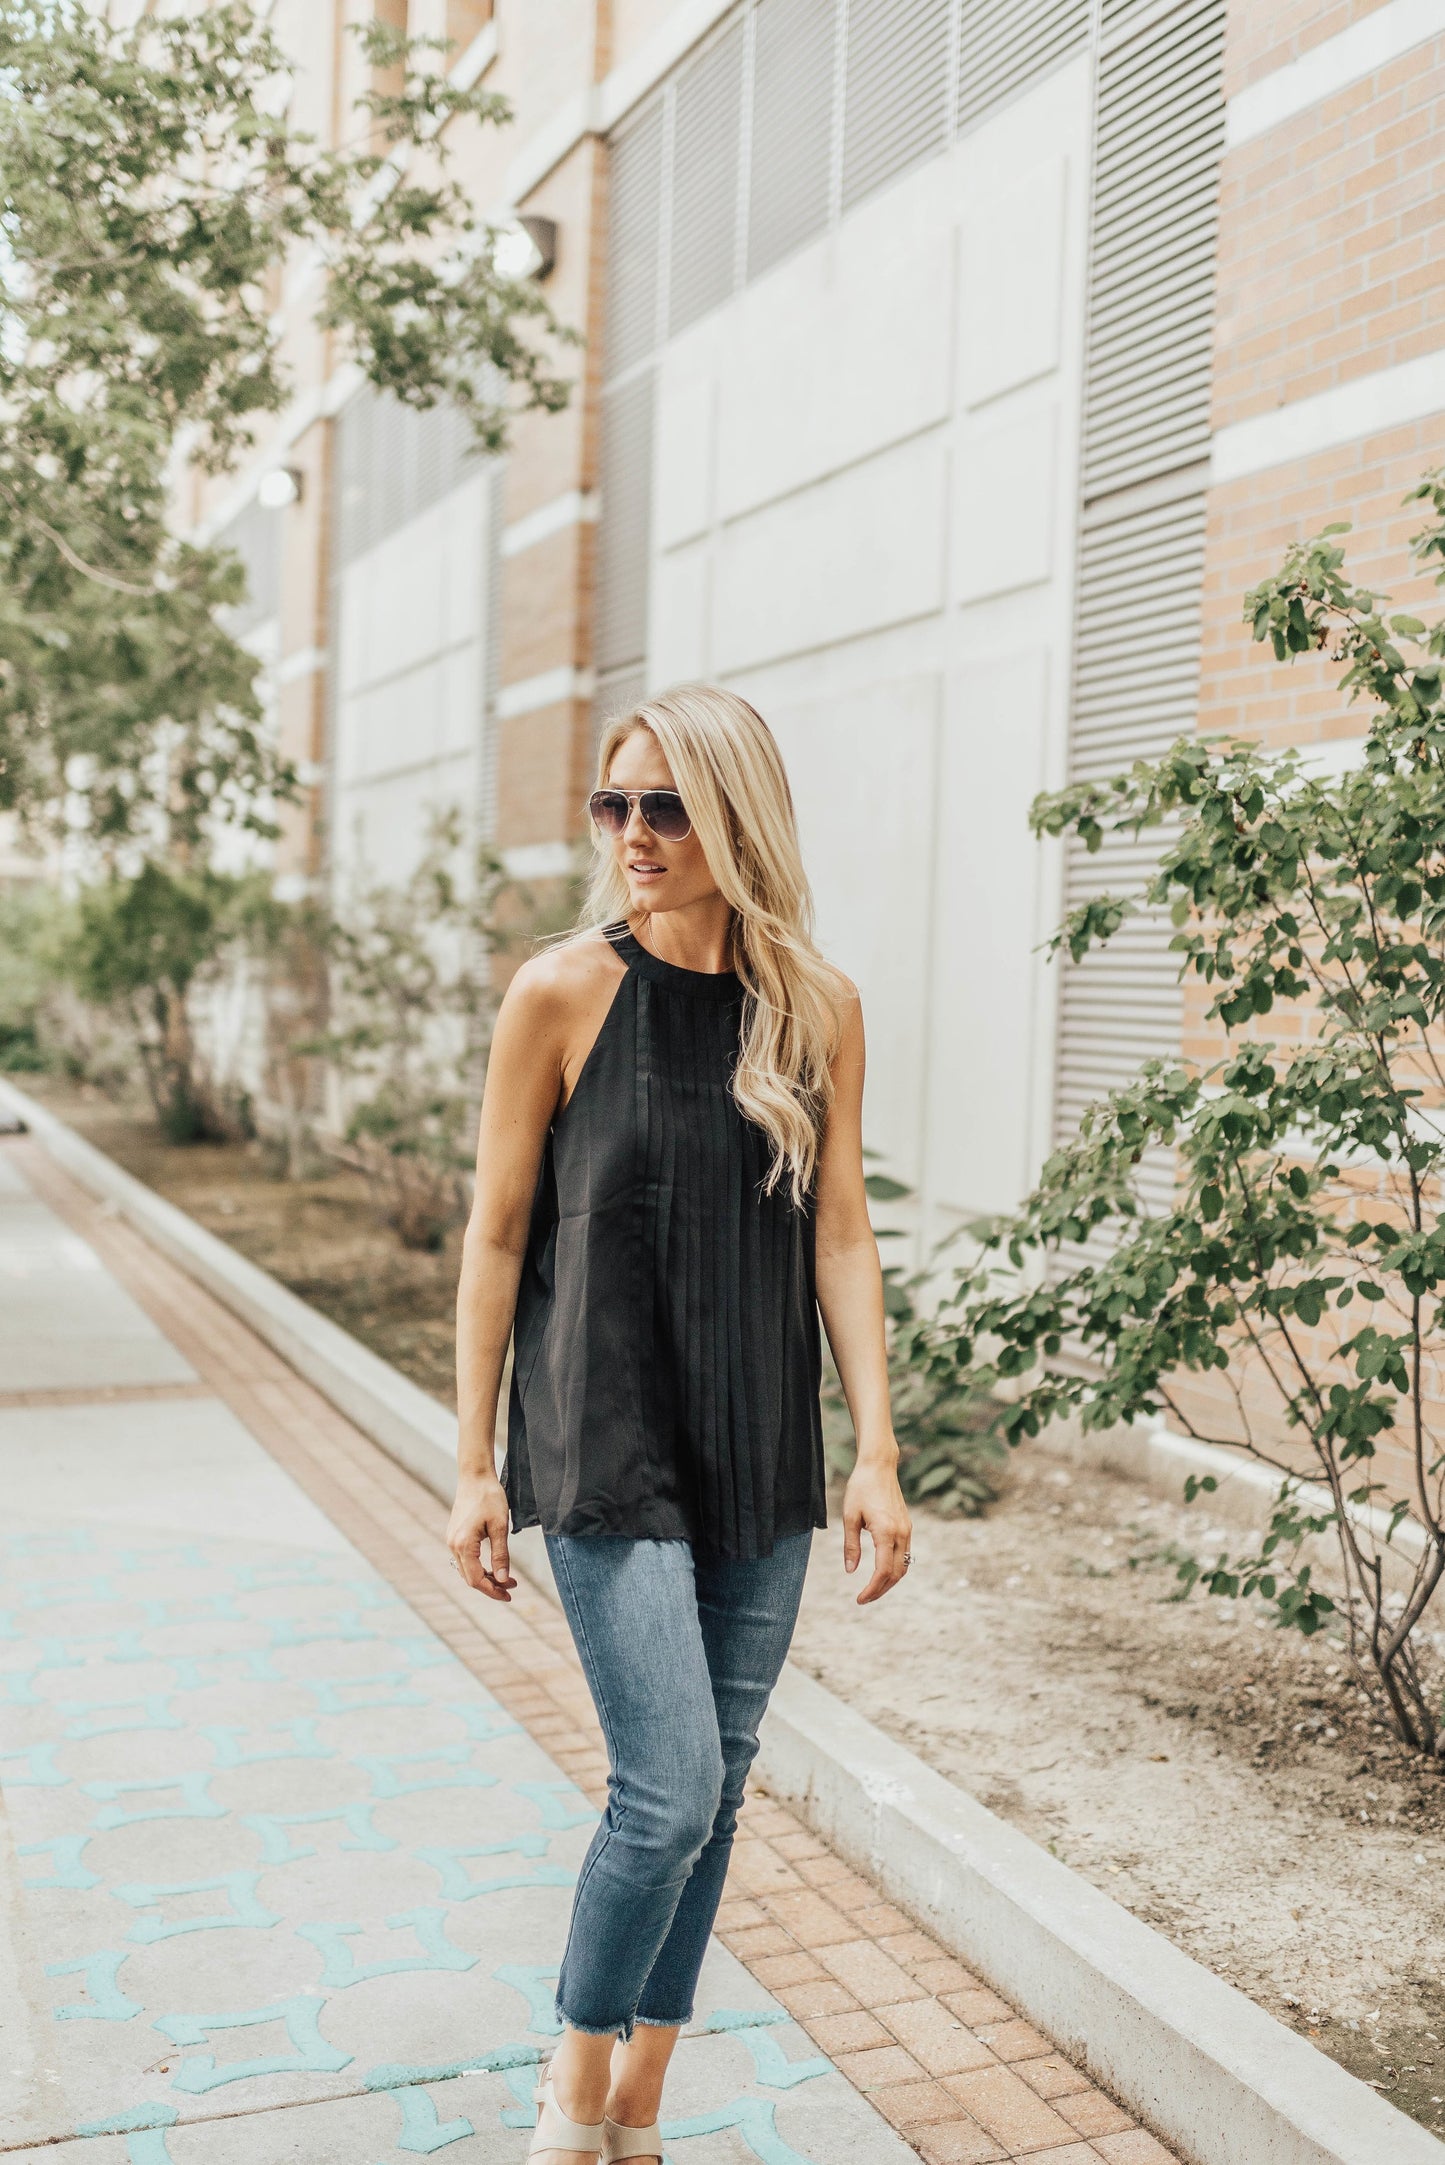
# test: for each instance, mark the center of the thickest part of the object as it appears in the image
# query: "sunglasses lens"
(666, 815)
(609, 809)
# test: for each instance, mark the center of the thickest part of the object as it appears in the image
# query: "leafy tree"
(413, 1001)
(1291, 1301)
(152, 190)
(27, 934)
(141, 945)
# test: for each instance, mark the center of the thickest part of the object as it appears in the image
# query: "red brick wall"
(1267, 34)
(1332, 241)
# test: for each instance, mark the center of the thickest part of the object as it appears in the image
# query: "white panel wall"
(871, 880)
(863, 517)
(411, 637)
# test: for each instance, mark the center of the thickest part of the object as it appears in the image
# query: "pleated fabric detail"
(666, 1354)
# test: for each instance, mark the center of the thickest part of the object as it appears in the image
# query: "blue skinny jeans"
(681, 1654)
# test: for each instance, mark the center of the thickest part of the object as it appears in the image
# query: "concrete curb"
(407, 1423)
(1196, 2060)
(1201, 2064)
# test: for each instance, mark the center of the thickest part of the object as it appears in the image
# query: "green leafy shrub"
(414, 997)
(138, 947)
(1301, 1264)
(949, 1450)
(27, 930)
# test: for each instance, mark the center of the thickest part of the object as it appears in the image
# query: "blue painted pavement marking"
(175, 1555)
(456, 1886)
(107, 2003)
(66, 1851)
(255, 1660)
(192, 1609)
(753, 2118)
(302, 1731)
(302, 2017)
(196, 1801)
(157, 1714)
(774, 2068)
(246, 1912)
(278, 1847)
(388, 1687)
(524, 2089)
(537, 1985)
(561, 1804)
(69, 1593)
(483, 1723)
(52, 1541)
(386, 1782)
(41, 1772)
(150, 2148)
(421, 2129)
(396, 2075)
(151, 2114)
(281, 1571)
(342, 1968)
(343, 1624)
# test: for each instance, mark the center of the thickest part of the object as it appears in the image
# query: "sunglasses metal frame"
(635, 797)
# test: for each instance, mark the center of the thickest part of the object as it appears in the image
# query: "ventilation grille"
(392, 462)
(1004, 42)
(625, 535)
(1136, 688)
(634, 229)
(1160, 132)
(794, 68)
(790, 113)
(1146, 434)
(896, 94)
(707, 131)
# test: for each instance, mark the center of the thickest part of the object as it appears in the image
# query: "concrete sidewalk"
(283, 1878)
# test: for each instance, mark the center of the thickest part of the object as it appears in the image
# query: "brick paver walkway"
(944, 2060)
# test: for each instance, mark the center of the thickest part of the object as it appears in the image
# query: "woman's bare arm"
(850, 1296)
(524, 1074)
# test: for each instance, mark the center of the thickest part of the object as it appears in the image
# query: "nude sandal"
(554, 2131)
(621, 2142)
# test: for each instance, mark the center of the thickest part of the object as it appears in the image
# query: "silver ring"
(908, 1556)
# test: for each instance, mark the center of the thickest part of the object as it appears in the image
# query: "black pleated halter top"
(666, 1355)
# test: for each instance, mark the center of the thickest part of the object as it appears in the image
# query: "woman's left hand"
(873, 1502)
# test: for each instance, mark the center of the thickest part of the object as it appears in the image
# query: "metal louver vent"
(793, 69)
(1161, 129)
(634, 228)
(1136, 688)
(1004, 42)
(896, 89)
(707, 145)
(617, 695)
(1146, 432)
(625, 532)
(393, 461)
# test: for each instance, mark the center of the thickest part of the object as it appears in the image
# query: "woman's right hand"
(477, 1536)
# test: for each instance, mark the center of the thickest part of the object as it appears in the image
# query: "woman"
(669, 1188)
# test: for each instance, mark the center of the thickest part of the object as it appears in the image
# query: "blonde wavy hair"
(729, 773)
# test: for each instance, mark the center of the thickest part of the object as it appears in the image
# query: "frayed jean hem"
(621, 2029)
(664, 2022)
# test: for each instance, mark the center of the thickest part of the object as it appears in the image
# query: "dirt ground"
(1228, 1783)
(1225, 1781)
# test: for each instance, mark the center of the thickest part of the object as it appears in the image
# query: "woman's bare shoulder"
(574, 974)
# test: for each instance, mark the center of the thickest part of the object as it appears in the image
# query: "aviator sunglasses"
(662, 809)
